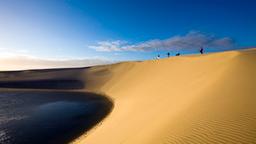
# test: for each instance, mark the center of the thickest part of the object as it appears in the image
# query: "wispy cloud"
(191, 41)
(117, 45)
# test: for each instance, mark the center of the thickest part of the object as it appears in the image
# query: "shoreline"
(67, 99)
(169, 100)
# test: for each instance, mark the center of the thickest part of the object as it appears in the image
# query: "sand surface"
(188, 99)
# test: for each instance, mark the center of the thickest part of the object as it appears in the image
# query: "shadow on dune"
(44, 84)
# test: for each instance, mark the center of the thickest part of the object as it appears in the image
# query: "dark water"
(48, 117)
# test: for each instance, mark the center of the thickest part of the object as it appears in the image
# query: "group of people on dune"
(178, 54)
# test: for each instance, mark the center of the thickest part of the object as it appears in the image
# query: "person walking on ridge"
(158, 57)
(202, 50)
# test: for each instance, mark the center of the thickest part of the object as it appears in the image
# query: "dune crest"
(189, 99)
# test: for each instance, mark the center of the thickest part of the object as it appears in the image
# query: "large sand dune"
(189, 99)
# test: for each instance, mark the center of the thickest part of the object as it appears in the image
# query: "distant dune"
(207, 98)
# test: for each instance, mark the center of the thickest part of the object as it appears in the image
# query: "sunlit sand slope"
(191, 99)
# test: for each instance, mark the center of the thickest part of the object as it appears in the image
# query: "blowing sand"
(189, 99)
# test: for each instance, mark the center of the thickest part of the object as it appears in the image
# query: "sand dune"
(189, 99)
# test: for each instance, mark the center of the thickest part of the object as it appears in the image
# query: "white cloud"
(109, 45)
(191, 41)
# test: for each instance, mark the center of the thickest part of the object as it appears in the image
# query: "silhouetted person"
(168, 54)
(202, 50)
(178, 54)
(158, 57)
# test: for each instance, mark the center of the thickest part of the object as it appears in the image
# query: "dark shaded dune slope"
(44, 84)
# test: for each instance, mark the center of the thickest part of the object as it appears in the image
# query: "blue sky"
(123, 29)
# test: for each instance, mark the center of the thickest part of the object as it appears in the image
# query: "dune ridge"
(189, 99)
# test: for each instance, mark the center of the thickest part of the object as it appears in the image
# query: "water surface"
(48, 117)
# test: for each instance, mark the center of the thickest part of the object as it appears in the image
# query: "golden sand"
(188, 99)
